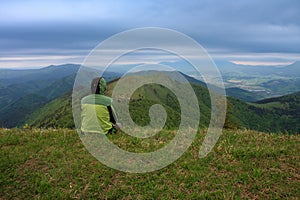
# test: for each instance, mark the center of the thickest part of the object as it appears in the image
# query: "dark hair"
(95, 86)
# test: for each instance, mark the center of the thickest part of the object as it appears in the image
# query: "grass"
(54, 164)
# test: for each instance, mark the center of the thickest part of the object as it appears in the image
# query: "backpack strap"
(111, 115)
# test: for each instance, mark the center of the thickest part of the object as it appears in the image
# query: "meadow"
(54, 164)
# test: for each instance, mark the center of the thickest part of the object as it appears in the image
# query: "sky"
(36, 33)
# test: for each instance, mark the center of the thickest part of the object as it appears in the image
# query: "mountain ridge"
(45, 91)
(257, 116)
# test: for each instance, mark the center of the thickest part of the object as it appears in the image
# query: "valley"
(46, 102)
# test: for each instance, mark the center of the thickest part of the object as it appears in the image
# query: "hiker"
(99, 105)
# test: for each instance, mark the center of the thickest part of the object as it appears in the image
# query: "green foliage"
(282, 86)
(271, 115)
(13, 114)
(231, 122)
(18, 86)
(57, 113)
(243, 94)
(31, 97)
(148, 95)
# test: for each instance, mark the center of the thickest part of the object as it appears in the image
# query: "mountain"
(24, 91)
(56, 113)
(283, 71)
(13, 111)
(280, 86)
(42, 93)
(242, 94)
(292, 70)
(227, 67)
(13, 114)
(260, 81)
(15, 84)
(271, 115)
(50, 73)
(286, 107)
(25, 105)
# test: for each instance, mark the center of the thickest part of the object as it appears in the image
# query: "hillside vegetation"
(57, 113)
(54, 164)
(279, 114)
(22, 92)
(39, 98)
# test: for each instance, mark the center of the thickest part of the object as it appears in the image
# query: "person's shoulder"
(103, 100)
(97, 99)
(100, 96)
(86, 98)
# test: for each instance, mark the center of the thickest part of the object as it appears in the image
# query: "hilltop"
(40, 161)
(54, 164)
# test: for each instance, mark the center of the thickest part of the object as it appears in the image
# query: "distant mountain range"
(225, 67)
(250, 83)
(260, 81)
(41, 97)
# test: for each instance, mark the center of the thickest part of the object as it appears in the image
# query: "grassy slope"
(285, 111)
(244, 95)
(57, 113)
(52, 163)
(14, 113)
(271, 115)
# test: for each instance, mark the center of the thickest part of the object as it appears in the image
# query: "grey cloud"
(238, 26)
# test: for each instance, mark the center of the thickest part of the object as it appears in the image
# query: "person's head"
(98, 85)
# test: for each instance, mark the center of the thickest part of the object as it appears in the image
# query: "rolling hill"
(284, 117)
(49, 73)
(41, 97)
(56, 113)
(271, 115)
(24, 91)
(242, 94)
(13, 113)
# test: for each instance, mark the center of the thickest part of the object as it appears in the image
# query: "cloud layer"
(70, 29)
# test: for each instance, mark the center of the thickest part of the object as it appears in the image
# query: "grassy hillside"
(57, 113)
(15, 84)
(24, 91)
(14, 113)
(52, 72)
(54, 164)
(285, 108)
(244, 95)
(262, 117)
(256, 116)
(17, 87)
(148, 95)
(282, 86)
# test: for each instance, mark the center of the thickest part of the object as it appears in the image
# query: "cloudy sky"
(38, 33)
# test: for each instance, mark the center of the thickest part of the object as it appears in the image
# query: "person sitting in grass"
(100, 106)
